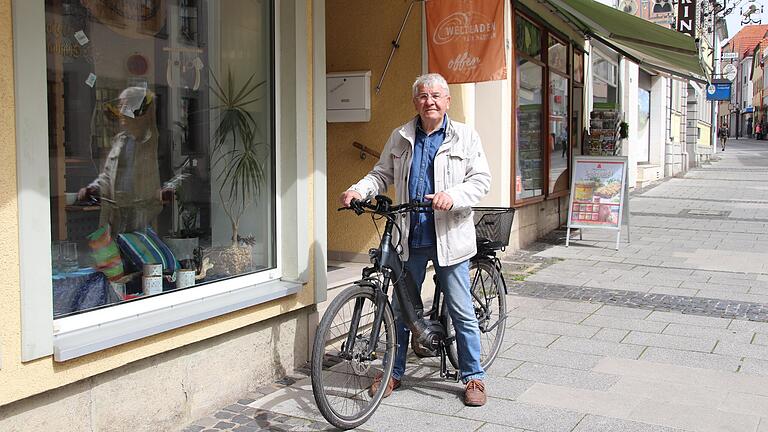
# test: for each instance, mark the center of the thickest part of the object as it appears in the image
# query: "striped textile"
(145, 247)
(105, 254)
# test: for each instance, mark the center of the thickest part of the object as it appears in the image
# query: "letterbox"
(348, 96)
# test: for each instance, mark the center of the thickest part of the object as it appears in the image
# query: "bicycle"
(356, 337)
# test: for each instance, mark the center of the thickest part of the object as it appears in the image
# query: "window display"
(559, 138)
(161, 145)
(557, 55)
(529, 164)
(528, 38)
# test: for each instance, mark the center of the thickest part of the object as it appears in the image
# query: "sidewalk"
(670, 333)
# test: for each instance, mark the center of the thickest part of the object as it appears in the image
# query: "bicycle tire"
(488, 283)
(322, 378)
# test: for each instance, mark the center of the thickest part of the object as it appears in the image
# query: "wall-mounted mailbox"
(348, 96)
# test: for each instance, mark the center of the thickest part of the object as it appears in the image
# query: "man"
(435, 158)
(723, 134)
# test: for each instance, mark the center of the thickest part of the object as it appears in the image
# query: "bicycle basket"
(494, 224)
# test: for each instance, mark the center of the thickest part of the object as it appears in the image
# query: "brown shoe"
(474, 395)
(392, 384)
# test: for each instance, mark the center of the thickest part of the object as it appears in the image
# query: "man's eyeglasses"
(423, 97)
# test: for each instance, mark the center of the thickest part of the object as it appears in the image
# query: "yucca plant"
(236, 143)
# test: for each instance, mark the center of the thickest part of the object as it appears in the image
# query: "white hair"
(430, 80)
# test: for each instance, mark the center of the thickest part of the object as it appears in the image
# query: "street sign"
(719, 91)
(729, 56)
(729, 71)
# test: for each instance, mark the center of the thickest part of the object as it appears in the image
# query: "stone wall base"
(171, 390)
(537, 220)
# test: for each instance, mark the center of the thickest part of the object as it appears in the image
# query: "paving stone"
(206, 422)
(580, 400)
(572, 306)
(625, 323)
(689, 394)
(691, 359)
(743, 403)
(669, 341)
(610, 335)
(760, 339)
(440, 397)
(597, 347)
(235, 408)
(224, 415)
(754, 366)
(502, 366)
(549, 315)
(593, 423)
(750, 326)
(397, 419)
(622, 312)
(564, 376)
(490, 427)
(674, 317)
(551, 356)
(524, 416)
(556, 328)
(506, 388)
(513, 336)
(193, 428)
(692, 418)
(726, 335)
(224, 425)
(742, 350)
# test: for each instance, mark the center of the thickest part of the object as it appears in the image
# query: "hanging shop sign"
(598, 199)
(465, 40)
(719, 90)
(686, 17)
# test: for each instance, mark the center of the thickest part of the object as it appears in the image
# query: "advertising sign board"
(719, 91)
(686, 17)
(465, 40)
(598, 194)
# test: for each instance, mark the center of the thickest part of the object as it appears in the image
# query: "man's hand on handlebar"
(440, 201)
(347, 196)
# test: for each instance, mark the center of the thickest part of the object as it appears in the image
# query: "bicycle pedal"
(452, 375)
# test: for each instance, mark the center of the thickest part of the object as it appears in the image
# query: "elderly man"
(432, 157)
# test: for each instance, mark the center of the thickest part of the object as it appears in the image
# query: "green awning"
(644, 42)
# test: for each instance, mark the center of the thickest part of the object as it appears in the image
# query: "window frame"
(546, 31)
(73, 336)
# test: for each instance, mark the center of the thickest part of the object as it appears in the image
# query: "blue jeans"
(454, 281)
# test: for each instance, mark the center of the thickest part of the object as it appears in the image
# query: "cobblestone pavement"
(669, 333)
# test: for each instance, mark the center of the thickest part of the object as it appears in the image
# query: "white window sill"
(87, 333)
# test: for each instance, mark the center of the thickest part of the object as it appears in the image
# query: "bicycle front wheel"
(342, 374)
(490, 302)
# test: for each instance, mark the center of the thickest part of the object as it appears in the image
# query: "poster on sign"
(465, 40)
(598, 193)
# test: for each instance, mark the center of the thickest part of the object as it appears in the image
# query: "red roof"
(745, 40)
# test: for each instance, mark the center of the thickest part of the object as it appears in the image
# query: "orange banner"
(465, 39)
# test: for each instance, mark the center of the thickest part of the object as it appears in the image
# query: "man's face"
(431, 103)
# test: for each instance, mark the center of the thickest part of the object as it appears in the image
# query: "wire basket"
(493, 224)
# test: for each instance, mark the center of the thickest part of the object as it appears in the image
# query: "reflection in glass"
(527, 37)
(557, 55)
(559, 139)
(528, 156)
(578, 66)
(161, 131)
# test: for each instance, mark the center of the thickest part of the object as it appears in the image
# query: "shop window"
(559, 138)
(557, 55)
(578, 66)
(604, 82)
(528, 38)
(161, 145)
(529, 155)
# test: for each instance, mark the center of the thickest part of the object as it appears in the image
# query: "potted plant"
(236, 152)
(185, 239)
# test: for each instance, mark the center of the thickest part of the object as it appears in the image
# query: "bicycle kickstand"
(444, 372)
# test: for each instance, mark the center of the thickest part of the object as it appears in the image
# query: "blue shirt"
(421, 182)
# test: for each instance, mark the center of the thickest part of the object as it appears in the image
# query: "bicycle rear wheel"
(340, 382)
(488, 297)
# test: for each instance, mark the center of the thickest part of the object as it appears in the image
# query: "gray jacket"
(461, 171)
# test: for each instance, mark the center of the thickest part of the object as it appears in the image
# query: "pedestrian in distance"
(432, 157)
(722, 133)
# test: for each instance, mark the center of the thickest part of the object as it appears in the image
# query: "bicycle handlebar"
(383, 206)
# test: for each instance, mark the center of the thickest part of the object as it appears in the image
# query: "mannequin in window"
(129, 184)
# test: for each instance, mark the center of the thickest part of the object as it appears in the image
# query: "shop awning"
(644, 42)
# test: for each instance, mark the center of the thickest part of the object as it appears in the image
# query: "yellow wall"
(19, 380)
(704, 137)
(361, 40)
(677, 120)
